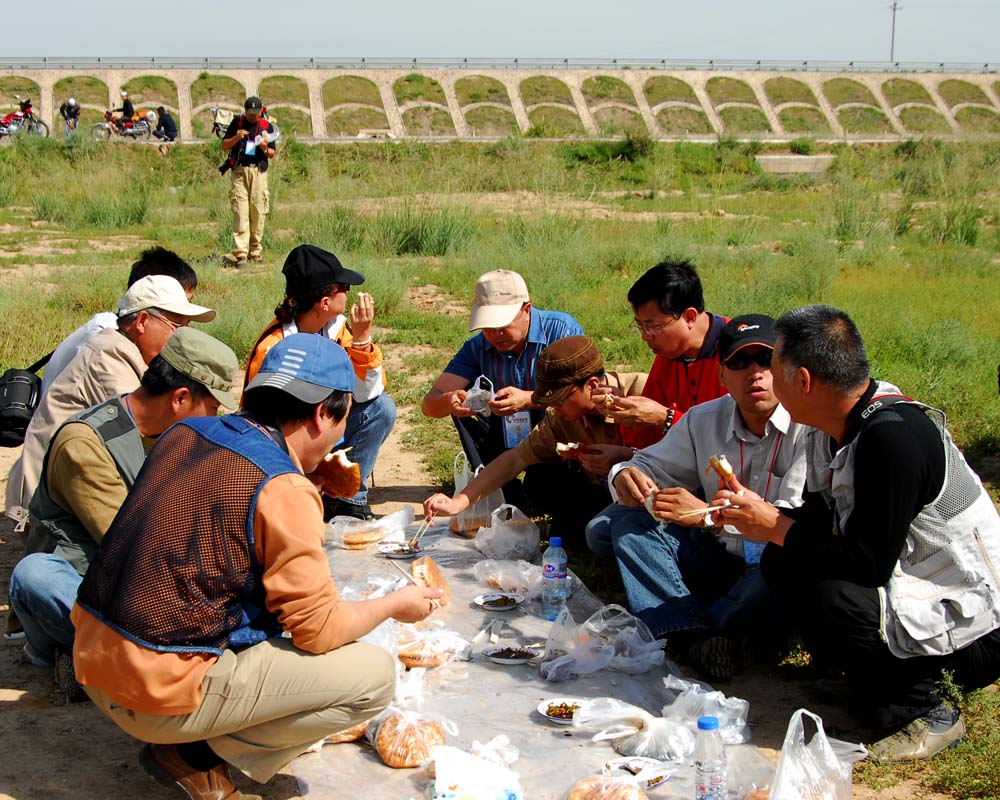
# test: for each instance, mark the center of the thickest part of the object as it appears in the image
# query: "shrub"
(803, 147)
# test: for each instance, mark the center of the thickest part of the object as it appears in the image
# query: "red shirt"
(680, 383)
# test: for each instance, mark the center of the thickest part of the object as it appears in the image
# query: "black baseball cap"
(253, 104)
(744, 331)
(310, 267)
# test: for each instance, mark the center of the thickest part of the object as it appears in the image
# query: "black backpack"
(20, 392)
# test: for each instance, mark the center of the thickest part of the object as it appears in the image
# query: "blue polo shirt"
(478, 357)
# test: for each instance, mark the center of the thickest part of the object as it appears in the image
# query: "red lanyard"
(770, 469)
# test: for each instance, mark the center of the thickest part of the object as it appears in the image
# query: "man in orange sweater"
(180, 617)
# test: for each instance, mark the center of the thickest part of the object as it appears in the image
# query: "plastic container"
(710, 777)
(555, 582)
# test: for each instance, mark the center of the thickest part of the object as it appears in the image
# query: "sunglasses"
(741, 360)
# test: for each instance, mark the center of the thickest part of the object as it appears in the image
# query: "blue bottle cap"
(555, 541)
(708, 724)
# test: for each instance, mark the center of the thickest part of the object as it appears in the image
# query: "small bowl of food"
(509, 655)
(499, 601)
(559, 709)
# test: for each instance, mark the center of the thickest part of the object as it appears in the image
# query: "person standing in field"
(248, 142)
(70, 112)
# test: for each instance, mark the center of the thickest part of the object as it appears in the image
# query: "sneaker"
(164, 764)
(925, 737)
(65, 677)
(720, 657)
(335, 507)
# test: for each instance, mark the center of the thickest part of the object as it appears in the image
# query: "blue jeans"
(42, 592)
(600, 527)
(368, 426)
(680, 579)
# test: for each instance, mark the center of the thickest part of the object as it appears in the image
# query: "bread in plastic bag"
(510, 535)
(611, 637)
(351, 734)
(355, 534)
(430, 647)
(405, 738)
(633, 731)
(819, 770)
(483, 774)
(521, 576)
(604, 787)
(692, 699)
(479, 513)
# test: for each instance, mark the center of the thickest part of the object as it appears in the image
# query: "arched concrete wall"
(314, 79)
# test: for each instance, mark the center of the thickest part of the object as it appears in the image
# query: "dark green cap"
(204, 359)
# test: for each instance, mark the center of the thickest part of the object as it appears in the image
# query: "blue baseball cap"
(307, 366)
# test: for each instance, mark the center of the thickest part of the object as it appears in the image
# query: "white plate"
(484, 601)
(634, 764)
(394, 550)
(543, 707)
(494, 654)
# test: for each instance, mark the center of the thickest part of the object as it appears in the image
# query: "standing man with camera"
(249, 143)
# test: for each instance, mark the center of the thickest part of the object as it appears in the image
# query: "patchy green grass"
(541, 89)
(291, 120)
(681, 120)
(216, 89)
(918, 119)
(490, 121)
(551, 121)
(788, 90)
(16, 84)
(85, 88)
(899, 90)
(350, 89)
(348, 121)
(730, 90)
(605, 87)
(740, 119)
(152, 91)
(802, 119)
(428, 121)
(861, 119)
(663, 89)
(416, 88)
(276, 90)
(954, 91)
(843, 90)
(480, 89)
(618, 121)
(978, 120)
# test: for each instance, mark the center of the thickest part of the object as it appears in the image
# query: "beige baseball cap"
(204, 359)
(164, 293)
(499, 296)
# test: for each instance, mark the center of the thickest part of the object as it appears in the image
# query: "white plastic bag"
(693, 699)
(511, 535)
(478, 514)
(819, 770)
(481, 775)
(633, 731)
(367, 532)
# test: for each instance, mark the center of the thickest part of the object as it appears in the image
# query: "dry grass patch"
(843, 90)
(284, 90)
(480, 89)
(152, 90)
(681, 120)
(788, 90)
(665, 89)
(490, 121)
(604, 87)
(291, 120)
(899, 90)
(954, 91)
(15, 84)
(350, 89)
(860, 119)
(730, 90)
(85, 88)
(348, 121)
(216, 89)
(739, 119)
(801, 119)
(427, 121)
(978, 120)
(541, 89)
(415, 87)
(553, 122)
(923, 120)
(618, 121)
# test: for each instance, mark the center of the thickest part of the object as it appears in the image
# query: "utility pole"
(892, 39)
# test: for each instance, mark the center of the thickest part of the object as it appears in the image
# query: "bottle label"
(710, 787)
(554, 571)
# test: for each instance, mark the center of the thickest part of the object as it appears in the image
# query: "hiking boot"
(335, 507)
(720, 657)
(164, 764)
(925, 737)
(65, 677)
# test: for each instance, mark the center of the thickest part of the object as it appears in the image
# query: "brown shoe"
(165, 765)
(233, 261)
(256, 257)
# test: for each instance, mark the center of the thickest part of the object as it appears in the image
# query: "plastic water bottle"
(709, 761)
(554, 578)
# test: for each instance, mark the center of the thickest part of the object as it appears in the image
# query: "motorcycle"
(221, 119)
(23, 119)
(141, 128)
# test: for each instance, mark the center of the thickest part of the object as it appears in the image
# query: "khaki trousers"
(250, 201)
(267, 704)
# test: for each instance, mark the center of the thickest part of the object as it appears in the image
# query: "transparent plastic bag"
(521, 576)
(405, 738)
(610, 637)
(483, 774)
(479, 396)
(478, 515)
(819, 770)
(430, 647)
(511, 535)
(354, 534)
(693, 699)
(608, 787)
(633, 731)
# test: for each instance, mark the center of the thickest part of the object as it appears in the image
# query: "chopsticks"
(702, 511)
(424, 526)
(406, 573)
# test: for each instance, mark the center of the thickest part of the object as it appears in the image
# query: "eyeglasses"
(172, 325)
(651, 328)
(741, 360)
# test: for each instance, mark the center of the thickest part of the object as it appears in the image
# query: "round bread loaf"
(341, 477)
(426, 572)
(403, 742)
(351, 734)
(599, 787)
(421, 655)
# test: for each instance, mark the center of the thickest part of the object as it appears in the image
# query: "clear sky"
(926, 30)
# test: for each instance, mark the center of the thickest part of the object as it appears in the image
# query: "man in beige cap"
(110, 364)
(89, 468)
(502, 360)
(572, 385)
